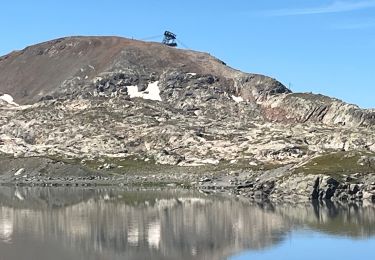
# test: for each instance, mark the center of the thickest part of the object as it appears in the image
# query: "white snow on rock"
(152, 92)
(9, 99)
(237, 99)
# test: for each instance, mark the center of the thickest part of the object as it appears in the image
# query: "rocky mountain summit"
(107, 102)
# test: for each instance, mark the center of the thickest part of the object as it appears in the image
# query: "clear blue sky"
(322, 46)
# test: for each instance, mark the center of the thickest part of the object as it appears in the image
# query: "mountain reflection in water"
(59, 223)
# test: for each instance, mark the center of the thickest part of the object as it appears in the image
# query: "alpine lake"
(116, 223)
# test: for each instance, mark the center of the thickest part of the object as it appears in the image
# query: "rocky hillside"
(111, 99)
(82, 66)
(67, 65)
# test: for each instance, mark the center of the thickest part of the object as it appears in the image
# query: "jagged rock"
(353, 189)
(315, 190)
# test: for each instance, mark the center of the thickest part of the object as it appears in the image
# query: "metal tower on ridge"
(169, 39)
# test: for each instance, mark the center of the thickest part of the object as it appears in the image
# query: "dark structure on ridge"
(169, 39)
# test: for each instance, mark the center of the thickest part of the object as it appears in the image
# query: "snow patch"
(191, 74)
(152, 92)
(9, 99)
(237, 99)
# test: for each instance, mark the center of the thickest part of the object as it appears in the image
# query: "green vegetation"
(242, 164)
(5, 156)
(337, 164)
(121, 165)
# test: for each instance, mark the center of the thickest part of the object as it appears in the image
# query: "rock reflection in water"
(115, 224)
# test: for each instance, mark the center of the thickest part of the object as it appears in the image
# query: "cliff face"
(109, 96)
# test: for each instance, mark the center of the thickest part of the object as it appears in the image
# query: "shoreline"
(275, 185)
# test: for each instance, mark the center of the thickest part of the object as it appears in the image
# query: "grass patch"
(133, 165)
(337, 164)
(127, 165)
(6, 156)
(243, 164)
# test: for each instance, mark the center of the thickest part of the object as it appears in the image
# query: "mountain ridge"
(49, 68)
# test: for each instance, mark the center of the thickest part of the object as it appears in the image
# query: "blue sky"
(322, 46)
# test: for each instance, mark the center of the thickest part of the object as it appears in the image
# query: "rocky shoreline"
(281, 184)
(299, 188)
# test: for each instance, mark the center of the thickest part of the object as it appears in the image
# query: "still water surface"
(59, 223)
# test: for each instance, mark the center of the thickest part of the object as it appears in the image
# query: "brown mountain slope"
(40, 70)
(72, 66)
